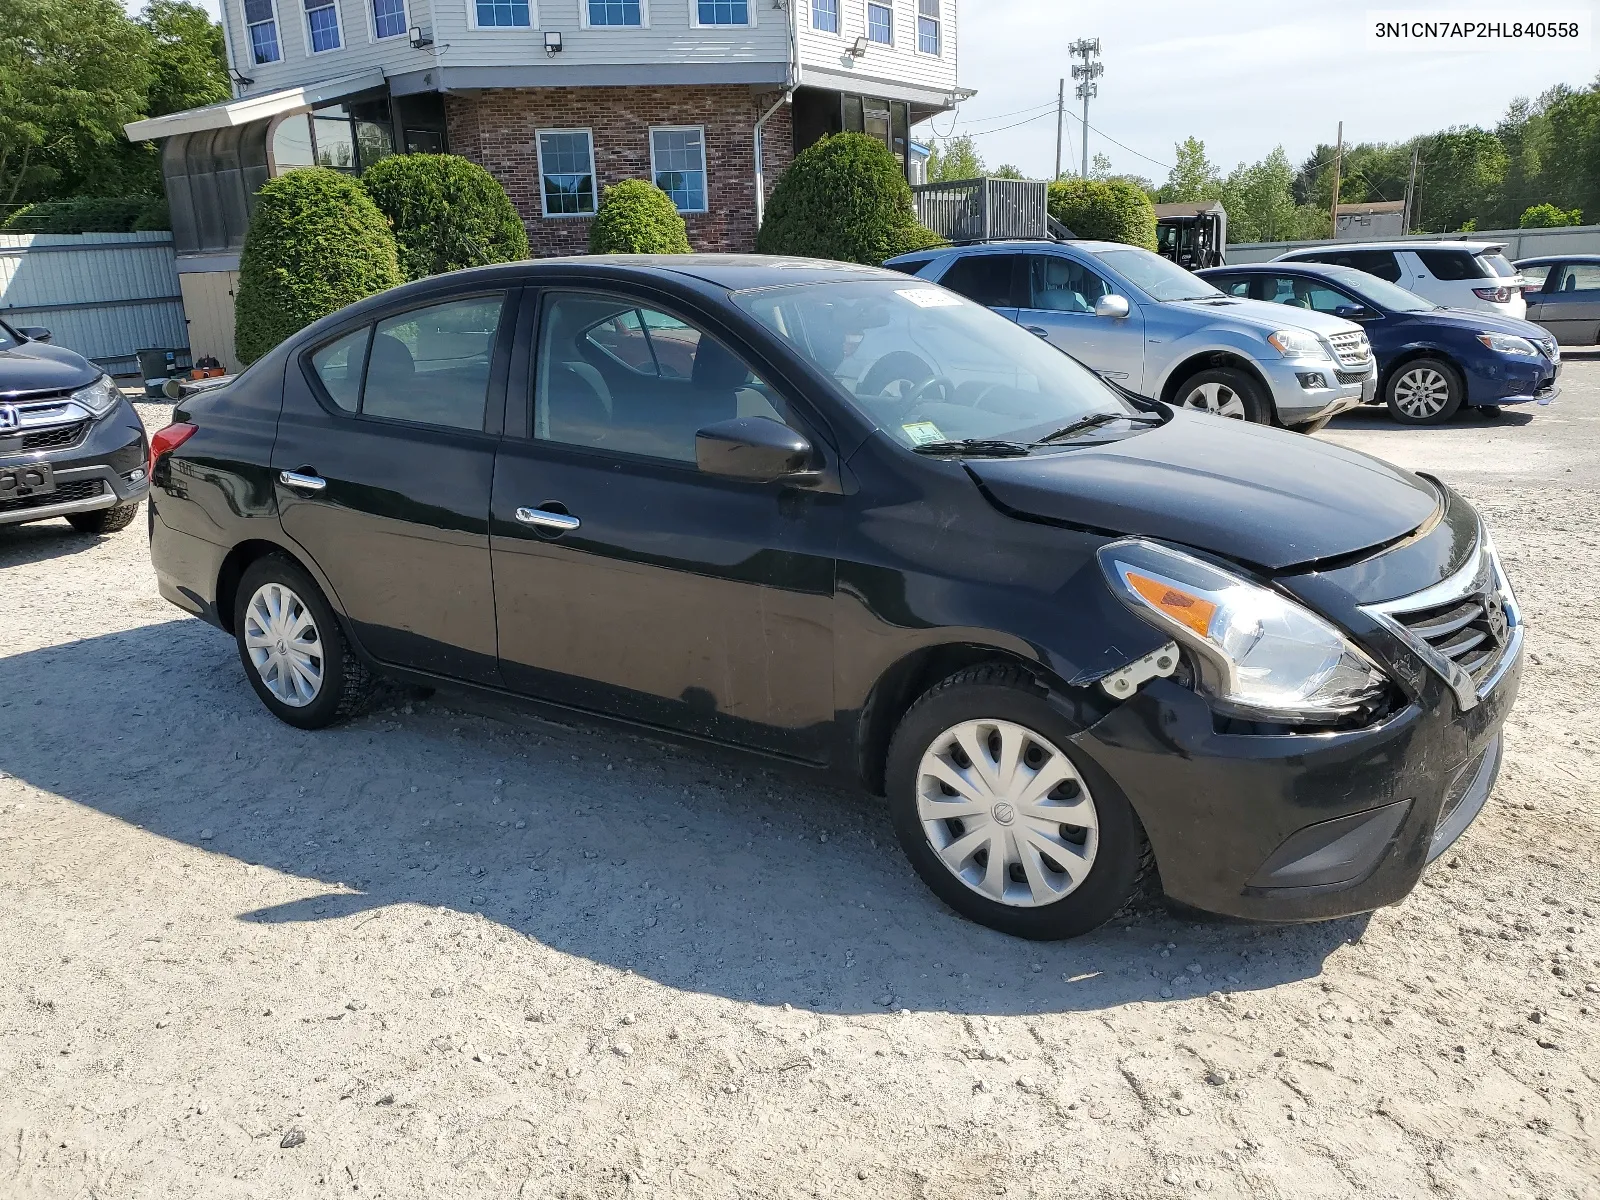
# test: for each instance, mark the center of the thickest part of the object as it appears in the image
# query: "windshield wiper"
(1094, 421)
(975, 448)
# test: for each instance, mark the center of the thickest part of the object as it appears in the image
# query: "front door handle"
(545, 519)
(1038, 330)
(302, 481)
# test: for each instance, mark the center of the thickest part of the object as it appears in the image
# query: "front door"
(383, 471)
(1060, 296)
(629, 583)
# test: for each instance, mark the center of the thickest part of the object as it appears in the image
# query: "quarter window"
(724, 12)
(615, 12)
(825, 15)
(678, 162)
(928, 26)
(880, 23)
(566, 172)
(431, 365)
(388, 18)
(322, 25)
(338, 365)
(507, 14)
(262, 26)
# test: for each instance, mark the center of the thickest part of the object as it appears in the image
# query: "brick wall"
(496, 128)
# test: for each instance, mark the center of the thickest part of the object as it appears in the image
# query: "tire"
(1424, 391)
(1491, 412)
(998, 705)
(104, 520)
(1226, 392)
(331, 684)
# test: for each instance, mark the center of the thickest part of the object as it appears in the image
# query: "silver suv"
(1154, 328)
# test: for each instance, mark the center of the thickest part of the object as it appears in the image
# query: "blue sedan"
(1431, 360)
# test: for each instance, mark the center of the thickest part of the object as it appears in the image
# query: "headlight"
(1297, 343)
(1506, 343)
(1259, 654)
(98, 397)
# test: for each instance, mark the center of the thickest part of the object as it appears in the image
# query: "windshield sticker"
(930, 297)
(923, 433)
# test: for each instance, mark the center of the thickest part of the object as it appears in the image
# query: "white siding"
(900, 62)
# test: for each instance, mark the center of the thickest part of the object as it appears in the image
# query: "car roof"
(1287, 264)
(1561, 258)
(1340, 247)
(1014, 245)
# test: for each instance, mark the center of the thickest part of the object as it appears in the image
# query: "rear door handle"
(544, 519)
(302, 481)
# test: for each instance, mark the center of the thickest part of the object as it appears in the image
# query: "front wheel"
(1425, 391)
(1000, 819)
(1225, 392)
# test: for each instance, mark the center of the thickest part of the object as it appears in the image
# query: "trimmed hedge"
(447, 213)
(85, 214)
(637, 217)
(844, 198)
(1109, 210)
(316, 243)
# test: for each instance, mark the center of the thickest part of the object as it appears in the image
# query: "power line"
(1131, 150)
(1004, 115)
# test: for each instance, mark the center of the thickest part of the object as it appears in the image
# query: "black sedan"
(1072, 635)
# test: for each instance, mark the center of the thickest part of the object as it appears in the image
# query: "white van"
(1471, 275)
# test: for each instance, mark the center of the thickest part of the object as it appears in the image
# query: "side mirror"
(1354, 312)
(755, 449)
(34, 333)
(1111, 306)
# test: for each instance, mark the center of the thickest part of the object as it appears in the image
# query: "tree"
(188, 64)
(1548, 216)
(1111, 210)
(958, 160)
(1572, 174)
(1008, 171)
(1465, 173)
(446, 213)
(316, 243)
(1259, 200)
(843, 198)
(1193, 176)
(637, 217)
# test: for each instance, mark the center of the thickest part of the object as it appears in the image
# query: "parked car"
(1154, 328)
(1563, 295)
(1068, 633)
(1473, 275)
(1431, 359)
(70, 444)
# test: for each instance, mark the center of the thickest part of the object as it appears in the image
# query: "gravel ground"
(443, 952)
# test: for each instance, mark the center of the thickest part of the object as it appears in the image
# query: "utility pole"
(1411, 190)
(1061, 116)
(1338, 157)
(1086, 73)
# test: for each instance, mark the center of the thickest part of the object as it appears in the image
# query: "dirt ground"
(442, 953)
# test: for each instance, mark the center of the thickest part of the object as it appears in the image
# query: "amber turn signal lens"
(1183, 607)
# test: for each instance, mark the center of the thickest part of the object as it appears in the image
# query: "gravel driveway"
(445, 952)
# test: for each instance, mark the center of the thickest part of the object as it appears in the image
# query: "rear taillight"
(1495, 295)
(169, 439)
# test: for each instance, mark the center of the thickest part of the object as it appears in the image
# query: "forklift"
(1194, 236)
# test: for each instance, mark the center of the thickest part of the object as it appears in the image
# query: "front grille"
(65, 493)
(44, 439)
(1351, 376)
(1352, 348)
(1471, 633)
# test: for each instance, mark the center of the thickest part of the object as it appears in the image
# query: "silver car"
(1149, 325)
(1563, 295)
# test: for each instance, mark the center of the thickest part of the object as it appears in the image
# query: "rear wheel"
(1000, 819)
(1425, 391)
(104, 520)
(1225, 392)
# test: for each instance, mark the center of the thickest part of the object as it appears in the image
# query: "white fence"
(1519, 243)
(105, 295)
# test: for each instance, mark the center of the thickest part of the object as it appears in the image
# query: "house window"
(880, 24)
(678, 163)
(263, 28)
(724, 12)
(566, 172)
(388, 18)
(825, 15)
(502, 13)
(615, 12)
(322, 24)
(928, 26)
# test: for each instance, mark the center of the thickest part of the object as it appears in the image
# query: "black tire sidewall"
(1117, 858)
(325, 709)
(105, 520)
(1452, 377)
(1258, 410)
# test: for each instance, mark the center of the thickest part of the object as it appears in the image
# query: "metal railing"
(984, 210)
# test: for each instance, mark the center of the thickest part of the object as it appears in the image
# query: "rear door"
(1570, 304)
(992, 279)
(1058, 305)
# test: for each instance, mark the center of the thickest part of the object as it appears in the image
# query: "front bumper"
(105, 468)
(1332, 388)
(1514, 380)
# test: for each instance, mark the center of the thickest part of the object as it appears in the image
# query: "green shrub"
(316, 243)
(637, 217)
(1109, 210)
(81, 214)
(156, 215)
(844, 198)
(1548, 216)
(447, 213)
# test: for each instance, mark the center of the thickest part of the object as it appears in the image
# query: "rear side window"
(431, 365)
(985, 278)
(1381, 263)
(338, 365)
(1579, 277)
(1451, 265)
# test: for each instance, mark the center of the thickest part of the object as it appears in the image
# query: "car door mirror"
(1354, 312)
(1111, 306)
(34, 333)
(755, 449)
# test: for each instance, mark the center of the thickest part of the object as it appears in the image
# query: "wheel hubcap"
(1421, 393)
(1007, 813)
(284, 646)
(1216, 398)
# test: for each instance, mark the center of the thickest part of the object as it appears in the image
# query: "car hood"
(40, 367)
(1269, 316)
(1251, 493)
(1484, 322)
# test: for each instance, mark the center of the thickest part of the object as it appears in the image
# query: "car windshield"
(927, 365)
(1380, 291)
(1155, 276)
(8, 339)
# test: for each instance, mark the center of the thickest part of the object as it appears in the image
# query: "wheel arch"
(1206, 360)
(237, 561)
(1409, 355)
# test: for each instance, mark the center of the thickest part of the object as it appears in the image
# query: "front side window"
(322, 25)
(985, 278)
(1233, 286)
(1304, 293)
(566, 172)
(928, 26)
(880, 23)
(1057, 284)
(388, 18)
(724, 12)
(497, 14)
(825, 15)
(262, 26)
(431, 365)
(615, 12)
(618, 376)
(678, 162)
